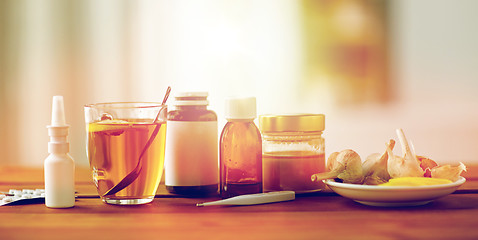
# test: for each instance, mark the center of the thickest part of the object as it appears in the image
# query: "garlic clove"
(448, 171)
(406, 166)
(375, 167)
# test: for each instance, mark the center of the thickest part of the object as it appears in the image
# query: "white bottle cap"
(241, 108)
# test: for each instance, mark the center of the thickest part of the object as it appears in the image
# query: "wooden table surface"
(322, 215)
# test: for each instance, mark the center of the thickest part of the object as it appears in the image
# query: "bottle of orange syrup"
(240, 156)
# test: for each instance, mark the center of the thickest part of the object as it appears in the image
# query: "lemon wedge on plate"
(415, 181)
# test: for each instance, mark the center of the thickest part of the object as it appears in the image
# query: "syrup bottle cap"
(241, 108)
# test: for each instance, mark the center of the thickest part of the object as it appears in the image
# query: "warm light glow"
(369, 66)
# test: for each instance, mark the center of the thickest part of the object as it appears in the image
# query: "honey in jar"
(293, 149)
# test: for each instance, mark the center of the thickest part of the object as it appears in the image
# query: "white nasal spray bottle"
(59, 167)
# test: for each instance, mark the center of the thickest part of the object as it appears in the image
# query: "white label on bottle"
(191, 157)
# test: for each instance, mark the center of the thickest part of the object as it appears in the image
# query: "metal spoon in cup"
(126, 181)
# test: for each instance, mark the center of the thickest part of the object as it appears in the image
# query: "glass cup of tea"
(125, 149)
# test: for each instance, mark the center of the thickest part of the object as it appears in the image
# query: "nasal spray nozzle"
(58, 112)
(58, 130)
(59, 167)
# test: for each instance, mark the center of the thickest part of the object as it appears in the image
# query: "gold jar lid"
(292, 123)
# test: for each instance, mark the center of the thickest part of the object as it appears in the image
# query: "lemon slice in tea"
(113, 127)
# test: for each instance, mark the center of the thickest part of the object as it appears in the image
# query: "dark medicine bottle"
(191, 161)
(240, 164)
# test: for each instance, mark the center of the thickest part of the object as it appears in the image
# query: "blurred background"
(370, 66)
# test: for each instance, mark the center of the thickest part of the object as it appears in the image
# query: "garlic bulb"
(380, 168)
(375, 167)
(345, 165)
(333, 166)
(406, 166)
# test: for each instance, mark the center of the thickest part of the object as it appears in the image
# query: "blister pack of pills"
(25, 196)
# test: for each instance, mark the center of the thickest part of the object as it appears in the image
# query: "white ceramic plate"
(393, 196)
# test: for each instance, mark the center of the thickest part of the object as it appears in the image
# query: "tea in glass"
(125, 149)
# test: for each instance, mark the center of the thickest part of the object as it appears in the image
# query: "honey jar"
(293, 149)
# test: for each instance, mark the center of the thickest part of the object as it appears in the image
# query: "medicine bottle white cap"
(241, 108)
